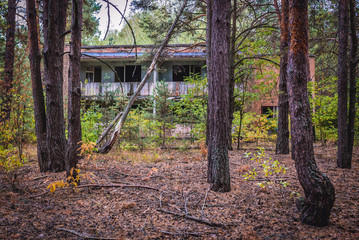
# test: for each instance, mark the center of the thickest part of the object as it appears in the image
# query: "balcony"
(128, 88)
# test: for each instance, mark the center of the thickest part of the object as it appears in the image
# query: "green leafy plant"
(91, 125)
(191, 110)
(255, 127)
(270, 168)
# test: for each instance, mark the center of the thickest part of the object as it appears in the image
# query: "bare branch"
(129, 25)
(258, 57)
(82, 235)
(108, 20)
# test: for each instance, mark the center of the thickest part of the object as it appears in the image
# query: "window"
(133, 73)
(270, 111)
(97, 74)
(180, 72)
(120, 73)
(128, 73)
(89, 77)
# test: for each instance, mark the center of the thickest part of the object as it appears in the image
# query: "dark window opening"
(89, 77)
(120, 74)
(270, 111)
(133, 73)
(196, 69)
(180, 72)
(98, 74)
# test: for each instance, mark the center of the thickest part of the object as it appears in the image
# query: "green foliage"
(191, 110)
(325, 103)
(269, 168)
(91, 125)
(19, 128)
(255, 127)
(137, 132)
(11, 158)
(162, 115)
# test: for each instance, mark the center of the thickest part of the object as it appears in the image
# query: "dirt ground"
(164, 195)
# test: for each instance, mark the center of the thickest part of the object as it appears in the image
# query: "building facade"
(121, 68)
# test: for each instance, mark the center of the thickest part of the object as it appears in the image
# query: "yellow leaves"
(59, 184)
(87, 150)
(71, 181)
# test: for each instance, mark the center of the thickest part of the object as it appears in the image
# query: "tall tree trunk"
(343, 160)
(282, 146)
(208, 62)
(74, 106)
(36, 82)
(319, 192)
(218, 97)
(8, 74)
(232, 54)
(352, 75)
(54, 22)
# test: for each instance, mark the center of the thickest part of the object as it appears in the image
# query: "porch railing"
(97, 89)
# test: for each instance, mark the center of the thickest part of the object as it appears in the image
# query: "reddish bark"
(218, 96)
(343, 160)
(282, 146)
(8, 74)
(36, 82)
(74, 120)
(318, 190)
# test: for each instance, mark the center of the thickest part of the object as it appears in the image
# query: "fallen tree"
(108, 145)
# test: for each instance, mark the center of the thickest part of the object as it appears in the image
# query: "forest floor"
(163, 194)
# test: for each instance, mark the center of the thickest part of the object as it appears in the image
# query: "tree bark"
(352, 75)
(218, 97)
(232, 80)
(208, 61)
(8, 74)
(54, 22)
(318, 190)
(74, 102)
(282, 146)
(36, 82)
(343, 160)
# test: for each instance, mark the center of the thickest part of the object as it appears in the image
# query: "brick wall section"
(271, 99)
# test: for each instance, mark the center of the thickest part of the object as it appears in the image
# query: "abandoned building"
(121, 68)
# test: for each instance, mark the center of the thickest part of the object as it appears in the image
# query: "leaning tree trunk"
(36, 82)
(218, 97)
(319, 192)
(343, 160)
(108, 145)
(74, 120)
(282, 146)
(8, 74)
(352, 75)
(54, 22)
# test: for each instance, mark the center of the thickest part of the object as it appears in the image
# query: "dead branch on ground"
(82, 235)
(199, 220)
